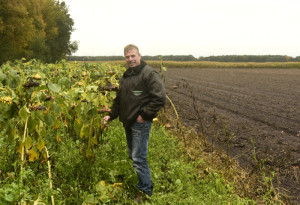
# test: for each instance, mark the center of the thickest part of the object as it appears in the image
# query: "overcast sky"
(187, 27)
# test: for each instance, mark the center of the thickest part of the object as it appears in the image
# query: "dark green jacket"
(141, 92)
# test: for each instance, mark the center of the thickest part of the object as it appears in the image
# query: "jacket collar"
(135, 70)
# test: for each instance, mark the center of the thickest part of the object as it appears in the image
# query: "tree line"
(112, 58)
(39, 29)
(224, 58)
(250, 58)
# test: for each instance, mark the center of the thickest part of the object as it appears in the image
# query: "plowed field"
(258, 104)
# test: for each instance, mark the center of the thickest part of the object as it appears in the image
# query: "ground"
(255, 112)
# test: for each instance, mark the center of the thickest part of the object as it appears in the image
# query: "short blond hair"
(131, 47)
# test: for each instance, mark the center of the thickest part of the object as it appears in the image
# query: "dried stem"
(23, 151)
(180, 126)
(173, 107)
(49, 174)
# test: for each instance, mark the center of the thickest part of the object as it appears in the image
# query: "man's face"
(133, 58)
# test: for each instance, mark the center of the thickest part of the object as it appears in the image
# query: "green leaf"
(92, 88)
(178, 182)
(54, 87)
(85, 131)
(9, 197)
(64, 82)
(56, 108)
(164, 68)
(2, 76)
(28, 143)
(32, 123)
(15, 134)
(13, 73)
(103, 192)
(49, 119)
(92, 112)
(33, 155)
(40, 145)
(24, 113)
(91, 199)
(77, 126)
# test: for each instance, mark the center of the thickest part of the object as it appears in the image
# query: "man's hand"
(106, 118)
(140, 119)
(104, 123)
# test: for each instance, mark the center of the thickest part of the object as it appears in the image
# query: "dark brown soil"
(258, 104)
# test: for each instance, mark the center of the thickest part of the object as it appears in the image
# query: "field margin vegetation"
(255, 184)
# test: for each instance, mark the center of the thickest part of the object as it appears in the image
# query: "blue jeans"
(137, 141)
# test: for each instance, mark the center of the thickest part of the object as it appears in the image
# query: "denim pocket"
(144, 124)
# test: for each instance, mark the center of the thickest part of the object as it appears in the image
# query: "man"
(140, 96)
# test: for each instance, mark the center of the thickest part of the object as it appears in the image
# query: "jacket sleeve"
(114, 113)
(157, 95)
